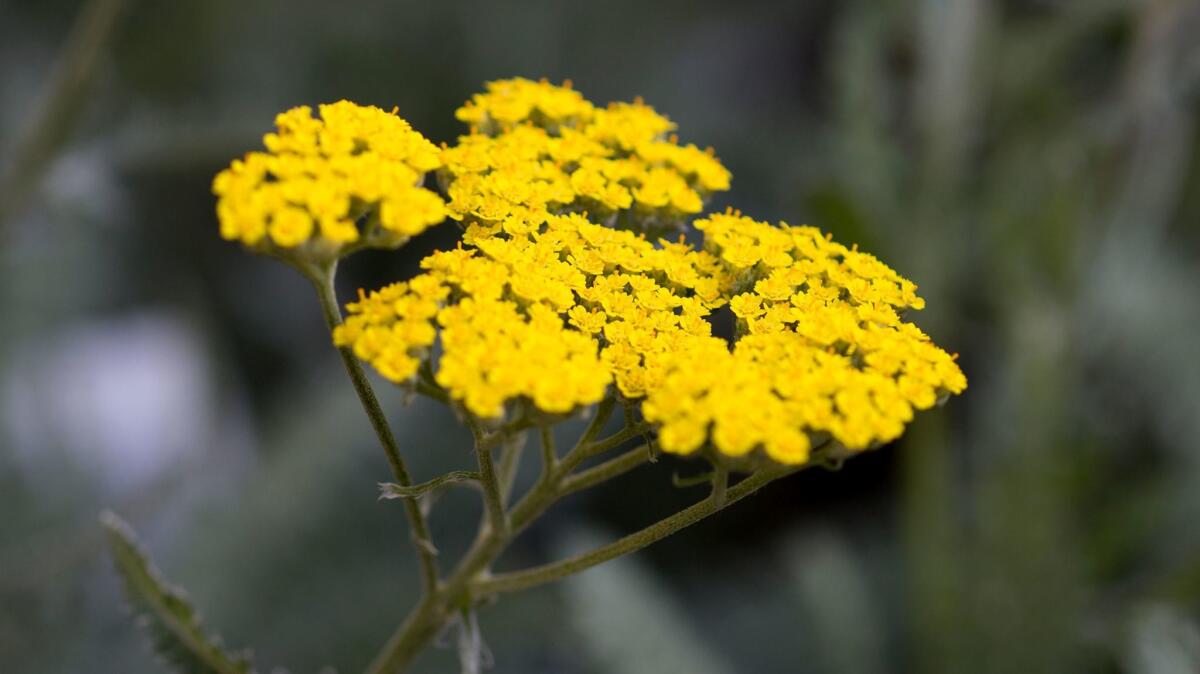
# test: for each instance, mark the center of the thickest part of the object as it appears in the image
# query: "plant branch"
(431, 391)
(322, 280)
(510, 462)
(603, 411)
(605, 471)
(493, 500)
(720, 484)
(549, 454)
(470, 580)
(489, 440)
(520, 580)
(393, 490)
(545, 492)
(616, 439)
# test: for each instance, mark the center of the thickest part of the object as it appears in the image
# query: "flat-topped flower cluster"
(536, 148)
(569, 282)
(352, 176)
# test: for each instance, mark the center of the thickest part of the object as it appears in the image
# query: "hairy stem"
(322, 280)
(603, 411)
(720, 484)
(418, 629)
(605, 471)
(611, 442)
(510, 462)
(520, 580)
(471, 579)
(493, 499)
(549, 453)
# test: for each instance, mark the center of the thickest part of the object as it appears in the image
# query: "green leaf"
(175, 630)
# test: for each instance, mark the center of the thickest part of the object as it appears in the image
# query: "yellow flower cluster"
(523, 315)
(554, 312)
(352, 175)
(537, 149)
(557, 294)
(822, 351)
(507, 103)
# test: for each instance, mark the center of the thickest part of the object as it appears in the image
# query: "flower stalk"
(322, 279)
(472, 581)
(546, 573)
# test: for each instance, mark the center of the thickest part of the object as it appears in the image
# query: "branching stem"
(605, 471)
(493, 499)
(471, 581)
(538, 575)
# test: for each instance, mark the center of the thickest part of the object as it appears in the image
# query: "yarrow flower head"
(547, 314)
(349, 178)
(564, 289)
(821, 351)
(537, 149)
(551, 314)
(507, 103)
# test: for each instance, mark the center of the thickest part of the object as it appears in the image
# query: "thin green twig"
(604, 471)
(393, 490)
(322, 280)
(720, 484)
(520, 580)
(510, 462)
(493, 500)
(549, 454)
(471, 580)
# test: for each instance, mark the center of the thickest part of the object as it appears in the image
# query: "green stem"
(510, 462)
(425, 389)
(471, 579)
(393, 490)
(490, 439)
(720, 484)
(605, 471)
(603, 411)
(613, 441)
(418, 629)
(427, 618)
(539, 575)
(493, 500)
(545, 492)
(549, 454)
(322, 280)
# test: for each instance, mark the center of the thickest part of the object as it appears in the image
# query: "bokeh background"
(1032, 164)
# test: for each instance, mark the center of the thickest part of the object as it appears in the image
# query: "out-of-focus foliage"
(1032, 164)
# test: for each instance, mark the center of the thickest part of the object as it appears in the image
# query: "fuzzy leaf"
(174, 628)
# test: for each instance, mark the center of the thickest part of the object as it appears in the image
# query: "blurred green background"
(1032, 164)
